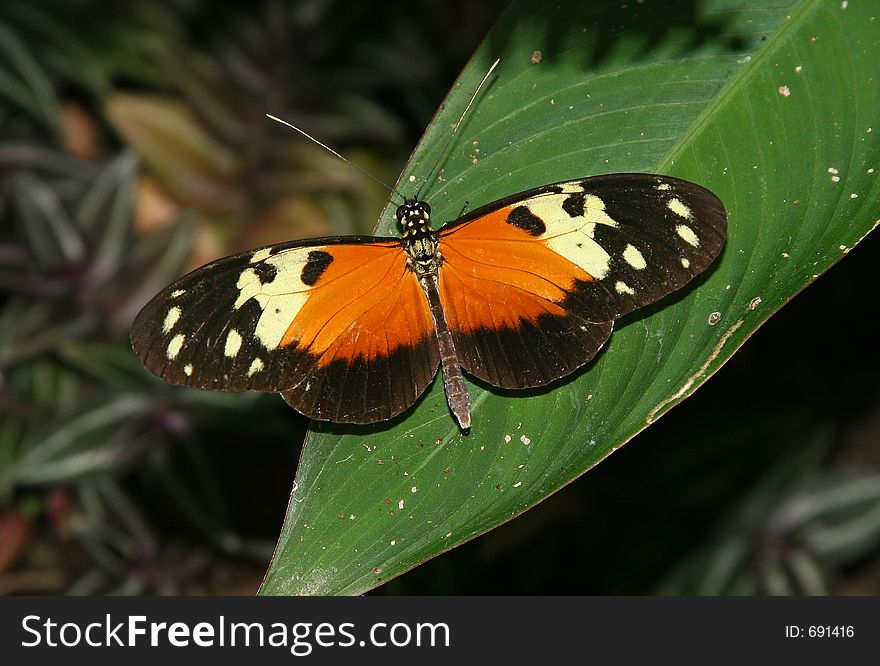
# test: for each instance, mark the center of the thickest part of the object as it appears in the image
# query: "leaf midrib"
(736, 83)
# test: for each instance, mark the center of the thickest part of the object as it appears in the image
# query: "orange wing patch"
(367, 333)
(340, 327)
(495, 275)
(365, 304)
(504, 297)
(531, 284)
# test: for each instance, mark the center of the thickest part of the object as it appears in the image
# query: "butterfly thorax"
(419, 240)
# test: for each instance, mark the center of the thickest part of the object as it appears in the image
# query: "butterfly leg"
(453, 381)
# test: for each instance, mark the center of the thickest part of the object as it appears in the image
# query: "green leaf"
(771, 104)
(24, 82)
(28, 329)
(105, 213)
(61, 48)
(93, 440)
(156, 260)
(52, 236)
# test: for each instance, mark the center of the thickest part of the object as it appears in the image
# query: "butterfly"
(519, 293)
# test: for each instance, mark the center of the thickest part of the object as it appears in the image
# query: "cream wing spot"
(579, 248)
(678, 207)
(233, 343)
(255, 367)
(572, 237)
(260, 255)
(171, 319)
(177, 293)
(248, 286)
(546, 206)
(663, 187)
(685, 262)
(281, 298)
(623, 288)
(175, 346)
(594, 211)
(188, 369)
(277, 316)
(634, 258)
(687, 235)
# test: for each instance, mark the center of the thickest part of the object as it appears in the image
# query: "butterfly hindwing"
(504, 303)
(531, 284)
(339, 326)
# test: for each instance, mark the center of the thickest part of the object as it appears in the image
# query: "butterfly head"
(414, 217)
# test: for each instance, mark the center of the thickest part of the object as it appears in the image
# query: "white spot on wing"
(663, 187)
(171, 319)
(623, 288)
(281, 299)
(256, 366)
(571, 188)
(549, 208)
(685, 262)
(594, 211)
(175, 346)
(233, 343)
(634, 258)
(572, 237)
(679, 208)
(259, 255)
(177, 293)
(188, 369)
(248, 286)
(581, 249)
(687, 235)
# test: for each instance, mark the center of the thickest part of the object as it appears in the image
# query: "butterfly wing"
(339, 326)
(531, 284)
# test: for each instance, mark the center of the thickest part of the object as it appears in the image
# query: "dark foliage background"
(134, 146)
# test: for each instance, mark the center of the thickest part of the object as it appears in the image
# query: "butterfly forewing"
(531, 283)
(339, 325)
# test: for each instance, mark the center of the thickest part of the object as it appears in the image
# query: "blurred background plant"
(135, 146)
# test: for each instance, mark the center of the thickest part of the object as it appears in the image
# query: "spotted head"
(414, 217)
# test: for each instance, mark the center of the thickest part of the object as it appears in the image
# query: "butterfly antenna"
(455, 129)
(329, 149)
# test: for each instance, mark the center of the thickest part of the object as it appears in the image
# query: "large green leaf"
(773, 105)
